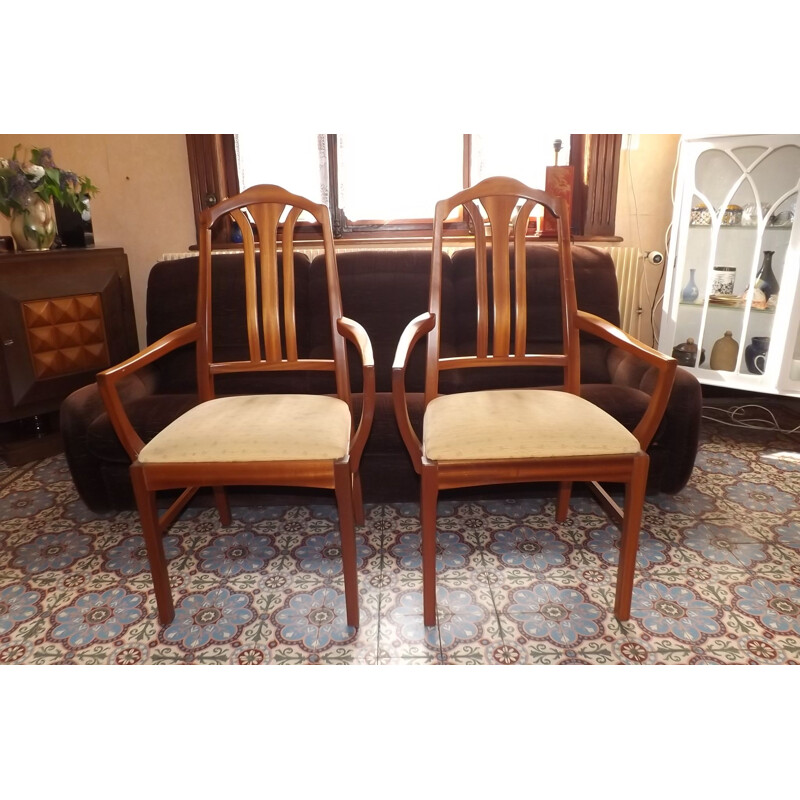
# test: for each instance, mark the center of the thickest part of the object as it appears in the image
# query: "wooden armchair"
(256, 439)
(511, 435)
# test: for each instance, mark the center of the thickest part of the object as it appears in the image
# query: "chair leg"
(428, 500)
(629, 541)
(223, 505)
(154, 541)
(562, 507)
(343, 482)
(358, 499)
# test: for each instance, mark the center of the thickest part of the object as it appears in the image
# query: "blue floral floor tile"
(717, 578)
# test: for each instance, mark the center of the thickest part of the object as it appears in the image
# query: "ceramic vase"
(724, 353)
(755, 354)
(690, 291)
(34, 227)
(723, 279)
(766, 280)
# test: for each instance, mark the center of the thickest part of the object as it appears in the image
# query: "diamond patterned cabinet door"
(64, 316)
(66, 334)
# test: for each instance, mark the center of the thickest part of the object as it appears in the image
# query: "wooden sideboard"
(64, 315)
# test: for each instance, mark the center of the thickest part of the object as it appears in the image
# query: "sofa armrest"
(78, 412)
(660, 367)
(679, 434)
(113, 380)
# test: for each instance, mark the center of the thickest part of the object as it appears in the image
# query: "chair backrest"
(501, 283)
(266, 216)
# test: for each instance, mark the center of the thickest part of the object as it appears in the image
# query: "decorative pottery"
(755, 354)
(690, 292)
(724, 353)
(686, 353)
(34, 228)
(723, 279)
(700, 215)
(751, 213)
(732, 215)
(766, 280)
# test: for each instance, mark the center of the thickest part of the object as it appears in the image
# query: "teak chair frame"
(265, 205)
(508, 205)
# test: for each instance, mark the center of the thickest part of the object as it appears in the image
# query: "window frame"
(595, 158)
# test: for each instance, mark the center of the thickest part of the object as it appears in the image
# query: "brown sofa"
(382, 290)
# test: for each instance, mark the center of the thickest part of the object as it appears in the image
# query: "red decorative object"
(558, 182)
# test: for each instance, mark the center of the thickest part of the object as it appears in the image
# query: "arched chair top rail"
(263, 193)
(500, 186)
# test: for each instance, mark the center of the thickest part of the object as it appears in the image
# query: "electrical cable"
(736, 419)
(658, 298)
(635, 214)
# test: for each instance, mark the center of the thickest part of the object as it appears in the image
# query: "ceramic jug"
(724, 353)
(755, 354)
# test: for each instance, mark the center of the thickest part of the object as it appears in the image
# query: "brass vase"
(34, 227)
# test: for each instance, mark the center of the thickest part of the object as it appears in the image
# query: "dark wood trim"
(595, 157)
(213, 174)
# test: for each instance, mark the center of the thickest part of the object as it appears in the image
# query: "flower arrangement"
(24, 179)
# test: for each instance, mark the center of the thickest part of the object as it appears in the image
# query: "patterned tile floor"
(718, 577)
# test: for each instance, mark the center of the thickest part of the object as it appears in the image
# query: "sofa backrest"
(172, 302)
(383, 290)
(596, 290)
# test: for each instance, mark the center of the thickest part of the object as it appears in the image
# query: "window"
(387, 185)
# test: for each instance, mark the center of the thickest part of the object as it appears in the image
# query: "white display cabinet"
(736, 198)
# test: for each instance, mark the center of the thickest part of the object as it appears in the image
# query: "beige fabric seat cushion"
(520, 423)
(286, 427)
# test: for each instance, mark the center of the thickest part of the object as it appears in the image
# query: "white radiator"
(629, 265)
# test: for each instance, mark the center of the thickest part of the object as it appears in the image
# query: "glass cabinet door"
(737, 220)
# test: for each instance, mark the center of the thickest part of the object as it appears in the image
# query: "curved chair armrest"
(355, 332)
(414, 331)
(665, 367)
(109, 379)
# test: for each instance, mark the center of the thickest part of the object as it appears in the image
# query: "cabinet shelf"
(722, 171)
(722, 306)
(743, 227)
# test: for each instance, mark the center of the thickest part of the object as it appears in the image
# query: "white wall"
(644, 209)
